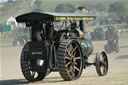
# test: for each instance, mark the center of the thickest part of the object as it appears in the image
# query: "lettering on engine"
(36, 53)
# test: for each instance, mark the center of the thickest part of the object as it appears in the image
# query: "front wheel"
(70, 60)
(101, 63)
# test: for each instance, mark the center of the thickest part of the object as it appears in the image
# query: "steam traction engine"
(58, 43)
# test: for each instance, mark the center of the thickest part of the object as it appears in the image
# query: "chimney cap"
(81, 8)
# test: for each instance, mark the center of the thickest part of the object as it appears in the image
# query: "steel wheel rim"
(73, 59)
(103, 63)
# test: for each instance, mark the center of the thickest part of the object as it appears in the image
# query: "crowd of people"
(113, 20)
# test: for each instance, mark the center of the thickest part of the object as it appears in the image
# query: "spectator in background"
(112, 36)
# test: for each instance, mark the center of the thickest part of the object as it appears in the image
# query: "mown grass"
(124, 36)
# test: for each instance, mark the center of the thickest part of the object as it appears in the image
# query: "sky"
(1, 1)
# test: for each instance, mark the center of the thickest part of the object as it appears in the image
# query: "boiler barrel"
(87, 47)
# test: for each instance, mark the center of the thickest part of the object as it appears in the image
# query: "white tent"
(12, 21)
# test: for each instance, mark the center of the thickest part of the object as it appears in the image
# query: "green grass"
(91, 28)
(11, 36)
(124, 36)
(4, 42)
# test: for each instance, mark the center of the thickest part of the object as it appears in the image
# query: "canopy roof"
(45, 16)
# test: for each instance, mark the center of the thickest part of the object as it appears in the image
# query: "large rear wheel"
(25, 67)
(70, 60)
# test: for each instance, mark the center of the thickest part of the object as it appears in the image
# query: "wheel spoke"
(69, 54)
(73, 71)
(74, 54)
(105, 67)
(101, 57)
(70, 69)
(74, 50)
(68, 58)
(68, 64)
(77, 58)
(102, 69)
(70, 47)
(105, 64)
(77, 68)
(33, 74)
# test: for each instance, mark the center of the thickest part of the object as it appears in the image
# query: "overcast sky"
(3, 1)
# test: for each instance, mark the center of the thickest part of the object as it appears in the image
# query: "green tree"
(95, 6)
(66, 8)
(100, 7)
(117, 7)
(38, 4)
